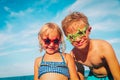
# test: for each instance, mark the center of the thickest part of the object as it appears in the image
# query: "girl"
(54, 64)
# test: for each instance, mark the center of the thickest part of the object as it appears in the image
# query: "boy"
(97, 54)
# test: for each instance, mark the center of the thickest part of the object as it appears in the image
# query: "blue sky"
(20, 21)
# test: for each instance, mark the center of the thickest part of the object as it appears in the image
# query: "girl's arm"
(36, 66)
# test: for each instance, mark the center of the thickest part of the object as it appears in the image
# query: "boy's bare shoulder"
(100, 42)
(102, 45)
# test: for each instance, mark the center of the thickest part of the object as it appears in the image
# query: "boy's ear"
(89, 29)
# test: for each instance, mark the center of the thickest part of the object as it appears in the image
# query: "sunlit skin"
(52, 54)
(98, 55)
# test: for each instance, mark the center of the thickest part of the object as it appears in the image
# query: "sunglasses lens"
(47, 41)
(56, 41)
(80, 32)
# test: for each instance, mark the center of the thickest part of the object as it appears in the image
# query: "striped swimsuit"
(53, 67)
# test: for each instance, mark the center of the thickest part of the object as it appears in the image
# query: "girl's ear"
(40, 43)
(40, 40)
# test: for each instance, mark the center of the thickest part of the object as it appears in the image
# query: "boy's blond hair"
(73, 17)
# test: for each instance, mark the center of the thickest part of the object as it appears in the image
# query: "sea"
(27, 77)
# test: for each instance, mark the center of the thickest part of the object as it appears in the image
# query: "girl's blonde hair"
(45, 30)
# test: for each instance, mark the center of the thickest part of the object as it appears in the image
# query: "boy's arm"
(112, 61)
(80, 70)
(72, 68)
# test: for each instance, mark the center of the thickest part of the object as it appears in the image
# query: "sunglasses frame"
(48, 41)
(80, 33)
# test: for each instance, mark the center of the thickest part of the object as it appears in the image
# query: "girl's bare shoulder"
(66, 55)
(38, 60)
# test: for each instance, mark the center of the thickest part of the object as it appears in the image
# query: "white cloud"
(21, 50)
(18, 14)
(78, 5)
(5, 38)
(107, 25)
(115, 40)
(95, 10)
(103, 9)
(6, 8)
(16, 41)
(17, 69)
(9, 27)
(21, 13)
(26, 38)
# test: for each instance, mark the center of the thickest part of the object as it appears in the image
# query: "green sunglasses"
(80, 33)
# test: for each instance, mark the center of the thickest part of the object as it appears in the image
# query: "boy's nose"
(80, 38)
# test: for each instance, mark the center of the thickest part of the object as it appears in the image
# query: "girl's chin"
(50, 51)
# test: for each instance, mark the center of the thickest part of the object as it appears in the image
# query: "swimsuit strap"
(43, 58)
(60, 55)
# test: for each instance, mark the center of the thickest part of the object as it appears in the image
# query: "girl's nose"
(51, 44)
